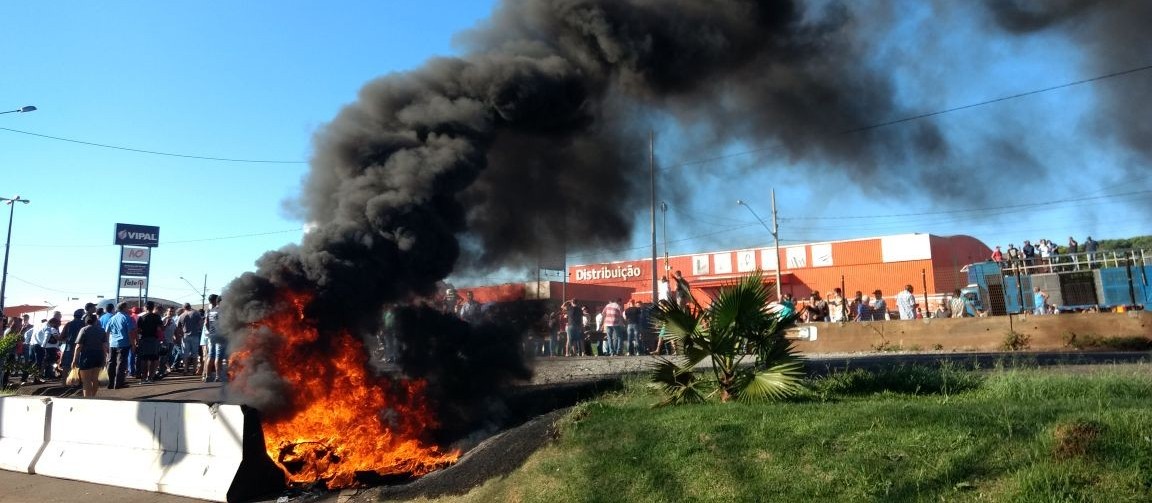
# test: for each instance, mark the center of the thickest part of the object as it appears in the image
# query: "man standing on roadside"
(469, 310)
(683, 291)
(190, 324)
(149, 330)
(906, 303)
(121, 338)
(109, 312)
(635, 334)
(574, 342)
(169, 349)
(68, 340)
(217, 354)
(613, 326)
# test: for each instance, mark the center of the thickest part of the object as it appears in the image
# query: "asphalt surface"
(22, 487)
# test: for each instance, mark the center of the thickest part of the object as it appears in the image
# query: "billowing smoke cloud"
(1115, 35)
(535, 143)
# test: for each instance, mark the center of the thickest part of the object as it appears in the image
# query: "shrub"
(1016, 341)
(1119, 343)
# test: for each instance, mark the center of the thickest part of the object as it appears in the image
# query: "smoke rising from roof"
(534, 143)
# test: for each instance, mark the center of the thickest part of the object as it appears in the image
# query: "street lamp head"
(740, 202)
(20, 110)
(15, 199)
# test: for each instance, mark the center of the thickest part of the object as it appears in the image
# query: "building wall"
(546, 290)
(929, 263)
(1045, 333)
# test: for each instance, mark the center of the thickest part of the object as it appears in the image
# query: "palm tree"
(738, 324)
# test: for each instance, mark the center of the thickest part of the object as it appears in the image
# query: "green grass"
(954, 435)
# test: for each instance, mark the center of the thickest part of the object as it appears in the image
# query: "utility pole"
(652, 175)
(664, 211)
(775, 235)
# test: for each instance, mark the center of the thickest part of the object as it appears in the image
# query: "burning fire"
(347, 420)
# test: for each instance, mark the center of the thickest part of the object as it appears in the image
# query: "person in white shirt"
(663, 291)
(906, 302)
(46, 349)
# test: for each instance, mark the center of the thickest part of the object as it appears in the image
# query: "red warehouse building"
(929, 263)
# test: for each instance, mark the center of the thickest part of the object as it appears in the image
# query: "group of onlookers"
(120, 339)
(834, 307)
(1046, 253)
(615, 330)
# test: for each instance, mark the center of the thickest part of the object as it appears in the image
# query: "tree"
(1133, 243)
(738, 324)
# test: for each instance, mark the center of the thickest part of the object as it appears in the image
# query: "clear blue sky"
(254, 80)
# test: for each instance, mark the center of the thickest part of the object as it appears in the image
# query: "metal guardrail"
(1079, 261)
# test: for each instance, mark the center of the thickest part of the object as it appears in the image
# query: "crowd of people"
(835, 307)
(1047, 255)
(119, 339)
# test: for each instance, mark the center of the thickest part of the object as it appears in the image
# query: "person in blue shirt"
(879, 306)
(1039, 301)
(109, 311)
(787, 305)
(121, 337)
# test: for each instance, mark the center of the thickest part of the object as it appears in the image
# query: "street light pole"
(11, 202)
(11, 211)
(203, 293)
(775, 236)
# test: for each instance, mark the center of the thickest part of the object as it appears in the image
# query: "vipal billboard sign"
(137, 235)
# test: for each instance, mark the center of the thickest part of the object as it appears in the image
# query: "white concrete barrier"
(23, 426)
(187, 449)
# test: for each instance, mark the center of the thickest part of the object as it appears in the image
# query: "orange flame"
(347, 420)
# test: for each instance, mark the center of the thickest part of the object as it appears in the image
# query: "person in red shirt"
(614, 326)
(997, 256)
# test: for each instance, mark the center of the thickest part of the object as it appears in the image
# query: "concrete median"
(23, 431)
(213, 452)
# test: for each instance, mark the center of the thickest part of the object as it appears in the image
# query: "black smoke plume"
(534, 142)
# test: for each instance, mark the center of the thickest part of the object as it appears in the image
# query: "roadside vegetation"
(739, 326)
(1114, 343)
(907, 433)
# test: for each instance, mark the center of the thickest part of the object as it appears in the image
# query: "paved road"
(172, 388)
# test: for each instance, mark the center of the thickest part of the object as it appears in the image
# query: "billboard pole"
(118, 281)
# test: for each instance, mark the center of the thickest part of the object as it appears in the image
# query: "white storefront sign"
(618, 272)
(746, 261)
(135, 254)
(722, 263)
(133, 282)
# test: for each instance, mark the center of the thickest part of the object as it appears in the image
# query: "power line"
(152, 152)
(969, 210)
(997, 100)
(930, 114)
(198, 240)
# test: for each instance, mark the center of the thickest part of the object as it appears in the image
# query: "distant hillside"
(1138, 242)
